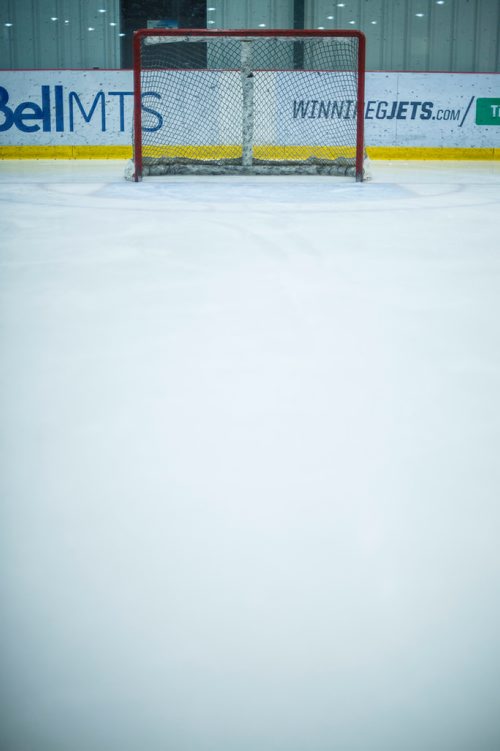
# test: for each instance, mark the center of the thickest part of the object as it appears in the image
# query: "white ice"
(250, 460)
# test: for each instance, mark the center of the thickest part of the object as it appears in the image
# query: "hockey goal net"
(248, 101)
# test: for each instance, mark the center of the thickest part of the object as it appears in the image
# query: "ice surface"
(249, 468)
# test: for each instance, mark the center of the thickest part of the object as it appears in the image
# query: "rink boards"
(88, 113)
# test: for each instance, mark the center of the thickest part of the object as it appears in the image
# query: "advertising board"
(88, 113)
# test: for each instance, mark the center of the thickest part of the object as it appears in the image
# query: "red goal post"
(248, 101)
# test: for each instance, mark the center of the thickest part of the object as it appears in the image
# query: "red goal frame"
(296, 33)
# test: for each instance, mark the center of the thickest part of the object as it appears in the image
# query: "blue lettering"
(399, 110)
(368, 112)
(393, 111)
(59, 108)
(426, 110)
(348, 115)
(415, 106)
(30, 117)
(98, 99)
(402, 108)
(300, 108)
(337, 110)
(46, 108)
(28, 111)
(122, 95)
(312, 114)
(152, 112)
(315, 109)
(5, 111)
(324, 109)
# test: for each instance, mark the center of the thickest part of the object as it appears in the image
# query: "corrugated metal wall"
(59, 34)
(449, 35)
(250, 14)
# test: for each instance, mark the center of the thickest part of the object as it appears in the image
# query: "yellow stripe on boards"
(65, 152)
(262, 151)
(187, 151)
(232, 152)
(424, 153)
